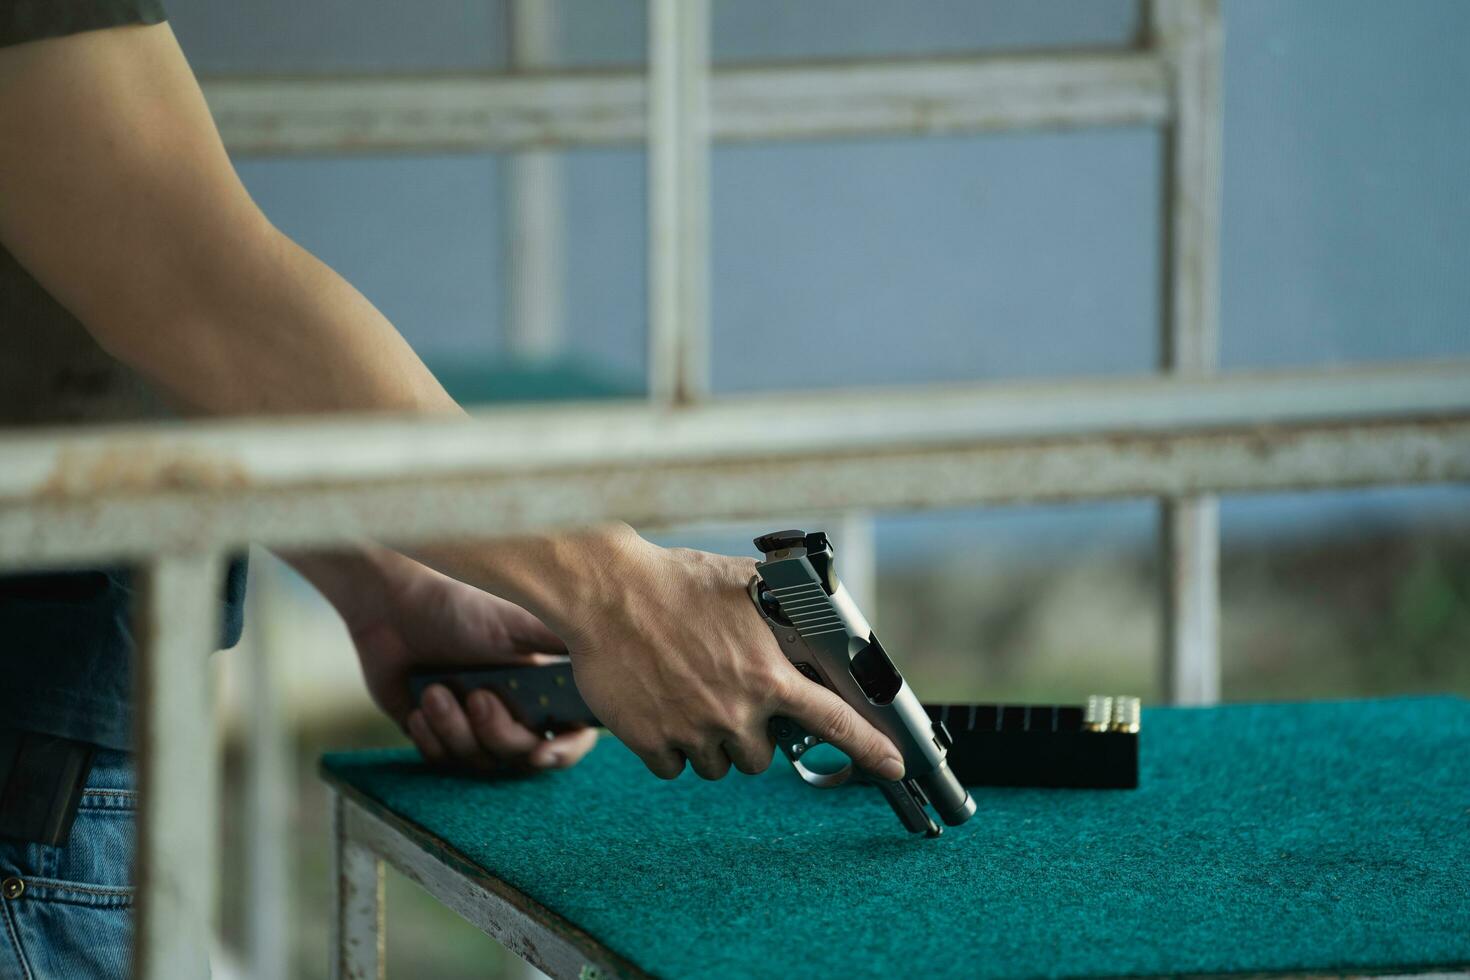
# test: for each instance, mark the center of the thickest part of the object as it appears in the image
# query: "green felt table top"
(1322, 837)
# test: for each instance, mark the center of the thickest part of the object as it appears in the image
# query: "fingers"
(482, 735)
(713, 756)
(709, 761)
(424, 739)
(503, 736)
(751, 755)
(827, 716)
(665, 763)
(565, 750)
(497, 732)
(447, 720)
(521, 630)
(530, 635)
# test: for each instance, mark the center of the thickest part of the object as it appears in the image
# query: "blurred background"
(1345, 238)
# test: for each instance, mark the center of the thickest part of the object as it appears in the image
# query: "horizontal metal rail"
(129, 492)
(567, 109)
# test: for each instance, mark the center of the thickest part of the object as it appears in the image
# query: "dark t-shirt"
(65, 642)
(31, 20)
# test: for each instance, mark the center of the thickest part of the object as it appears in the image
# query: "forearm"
(561, 578)
(565, 578)
(355, 579)
(266, 328)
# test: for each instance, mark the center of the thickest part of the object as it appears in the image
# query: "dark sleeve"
(30, 20)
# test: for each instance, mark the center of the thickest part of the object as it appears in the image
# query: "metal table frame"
(365, 836)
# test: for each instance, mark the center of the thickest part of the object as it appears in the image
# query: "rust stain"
(137, 468)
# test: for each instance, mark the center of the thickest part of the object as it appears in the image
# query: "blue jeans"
(67, 912)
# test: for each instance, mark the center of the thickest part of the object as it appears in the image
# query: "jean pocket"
(61, 938)
(95, 866)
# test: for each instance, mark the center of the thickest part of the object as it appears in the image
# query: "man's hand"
(669, 652)
(403, 617)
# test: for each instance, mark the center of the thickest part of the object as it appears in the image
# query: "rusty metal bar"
(1187, 35)
(177, 628)
(218, 486)
(909, 97)
(40, 468)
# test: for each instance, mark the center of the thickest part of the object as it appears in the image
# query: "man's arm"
(117, 195)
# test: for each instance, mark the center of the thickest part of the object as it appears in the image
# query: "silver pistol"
(826, 637)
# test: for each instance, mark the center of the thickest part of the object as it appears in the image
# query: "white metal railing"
(176, 497)
(678, 200)
(132, 492)
(177, 866)
(872, 97)
(536, 327)
(1187, 37)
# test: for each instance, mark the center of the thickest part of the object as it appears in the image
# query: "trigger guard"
(822, 780)
(793, 742)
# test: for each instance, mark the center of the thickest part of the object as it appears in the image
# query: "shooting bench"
(1320, 838)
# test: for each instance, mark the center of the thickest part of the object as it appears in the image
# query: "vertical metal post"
(268, 777)
(357, 924)
(678, 199)
(536, 329)
(1187, 34)
(1189, 537)
(177, 627)
(857, 560)
(535, 326)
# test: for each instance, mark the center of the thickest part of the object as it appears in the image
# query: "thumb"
(827, 716)
(526, 632)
